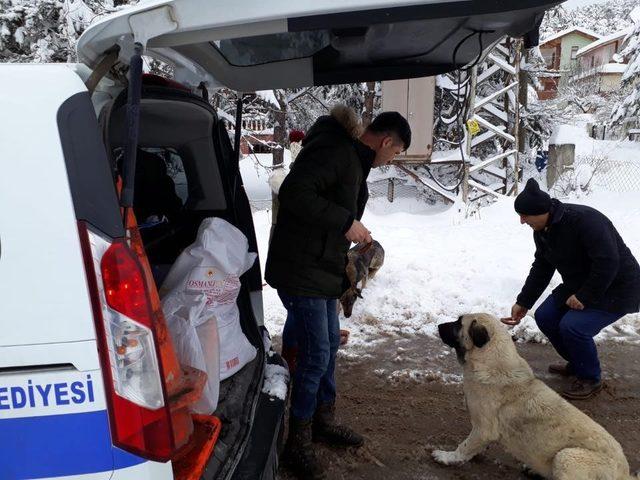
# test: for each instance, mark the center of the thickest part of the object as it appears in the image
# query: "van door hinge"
(109, 59)
(151, 24)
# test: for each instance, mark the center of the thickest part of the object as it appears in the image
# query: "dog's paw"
(447, 458)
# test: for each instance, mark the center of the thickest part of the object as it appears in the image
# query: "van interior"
(186, 171)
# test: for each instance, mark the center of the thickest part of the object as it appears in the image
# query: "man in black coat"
(321, 202)
(600, 275)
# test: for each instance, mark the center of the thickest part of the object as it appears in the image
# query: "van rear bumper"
(260, 458)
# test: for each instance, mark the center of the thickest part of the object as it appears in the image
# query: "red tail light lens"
(139, 413)
(125, 289)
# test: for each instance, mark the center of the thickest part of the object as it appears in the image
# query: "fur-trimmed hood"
(347, 117)
(341, 120)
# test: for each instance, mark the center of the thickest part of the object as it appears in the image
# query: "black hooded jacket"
(319, 199)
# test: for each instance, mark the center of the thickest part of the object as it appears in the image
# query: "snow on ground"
(439, 265)
(612, 150)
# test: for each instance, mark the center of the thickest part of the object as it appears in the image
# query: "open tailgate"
(255, 45)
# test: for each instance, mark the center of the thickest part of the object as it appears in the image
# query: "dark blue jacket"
(595, 264)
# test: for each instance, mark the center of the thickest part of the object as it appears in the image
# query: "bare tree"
(369, 103)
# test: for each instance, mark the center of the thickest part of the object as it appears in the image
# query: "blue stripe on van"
(59, 445)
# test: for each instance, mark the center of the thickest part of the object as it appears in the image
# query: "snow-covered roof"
(569, 30)
(608, 68)
(614, 68)
(604, 40)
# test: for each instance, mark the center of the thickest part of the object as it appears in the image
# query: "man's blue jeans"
(571, 333)
(314, 325)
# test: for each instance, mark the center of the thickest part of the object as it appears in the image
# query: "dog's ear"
(479, 335)
(359, 293)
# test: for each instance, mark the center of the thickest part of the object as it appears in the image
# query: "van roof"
(257, 45)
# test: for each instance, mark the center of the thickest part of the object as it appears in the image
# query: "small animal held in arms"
(364, 262)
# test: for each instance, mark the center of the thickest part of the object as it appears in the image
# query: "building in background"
(257, 134)
(599, 63)
(560, 54)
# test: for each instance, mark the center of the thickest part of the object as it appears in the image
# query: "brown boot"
(326, 430)
(562, 369)
(298, 453)
(581, 389)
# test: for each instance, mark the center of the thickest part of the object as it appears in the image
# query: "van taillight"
(133, 353)
(127, 321)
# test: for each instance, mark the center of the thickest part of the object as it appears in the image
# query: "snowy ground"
(440, 264)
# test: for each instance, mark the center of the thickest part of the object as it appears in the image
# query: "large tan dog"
(507, 404)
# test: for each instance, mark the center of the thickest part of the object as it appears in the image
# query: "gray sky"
(578, 3)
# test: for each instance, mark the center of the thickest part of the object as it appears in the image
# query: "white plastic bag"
(212, 266)
(196, 343)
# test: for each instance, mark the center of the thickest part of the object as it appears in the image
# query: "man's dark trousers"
(313, 323)
(571, 333)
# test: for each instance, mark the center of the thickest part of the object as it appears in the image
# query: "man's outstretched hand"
(358, 233)
(517, 314)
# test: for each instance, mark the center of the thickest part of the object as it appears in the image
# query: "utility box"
(414, 99)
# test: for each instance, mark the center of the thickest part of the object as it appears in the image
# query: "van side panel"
(54, 423)
(43, 294)
(53, 415)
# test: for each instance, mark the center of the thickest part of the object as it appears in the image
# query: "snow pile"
(275, 381)
(437, 267)
(527, 331)
(440, 266)
(567, 134)
(583, 175)
(625, 330)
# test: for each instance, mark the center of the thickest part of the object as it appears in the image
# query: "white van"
(89, 383)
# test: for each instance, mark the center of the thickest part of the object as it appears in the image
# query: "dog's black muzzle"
(449, 333)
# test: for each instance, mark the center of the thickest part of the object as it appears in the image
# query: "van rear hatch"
(255, 45)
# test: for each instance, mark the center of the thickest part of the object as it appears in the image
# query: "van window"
(182, 134)
(243, 52)
(175, 170)
(161, 189)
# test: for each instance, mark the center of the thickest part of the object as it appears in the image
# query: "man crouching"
(601, 282)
